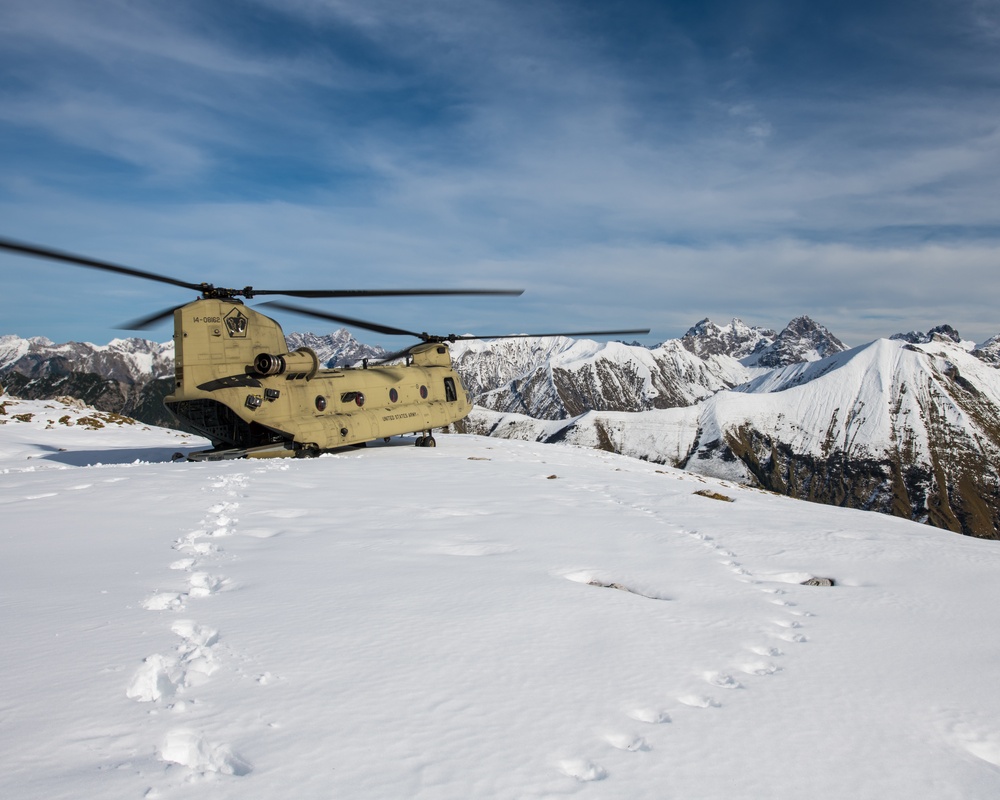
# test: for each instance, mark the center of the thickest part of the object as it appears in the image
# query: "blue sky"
(628, 164)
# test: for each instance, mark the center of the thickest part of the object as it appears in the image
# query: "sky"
(630, 164)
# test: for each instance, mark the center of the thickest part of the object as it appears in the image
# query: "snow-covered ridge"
(907, 425)
(889, 426)
(335, 349)
(129, 360)
(559, 378)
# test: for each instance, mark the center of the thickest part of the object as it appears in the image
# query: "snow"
(489, 618)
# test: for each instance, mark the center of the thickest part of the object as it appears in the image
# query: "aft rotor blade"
(320, 293)
(388, 330)
(57, 255)
(469, 337)
(147, 322)
(393, 356)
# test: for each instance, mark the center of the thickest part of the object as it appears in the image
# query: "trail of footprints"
(170, 680)
(757, 661)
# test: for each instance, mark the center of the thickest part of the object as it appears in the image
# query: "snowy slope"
(889, 426)
(869, 400)
(487, 619)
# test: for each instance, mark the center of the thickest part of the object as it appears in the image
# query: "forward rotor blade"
(319, 293)
(147, 322)
(359, 323)
(57, 255)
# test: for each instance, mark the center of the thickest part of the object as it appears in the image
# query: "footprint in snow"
(582, 770)
(193, 633)
(190, 749)
(760, 668)
(652, 716)
(164, 601)
(722, 681)
(203, 584)
(793, 638)
(198, 548)
(160, 678)
(699, 701)
(627, 742)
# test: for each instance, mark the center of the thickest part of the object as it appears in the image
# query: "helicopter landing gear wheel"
(426, 440)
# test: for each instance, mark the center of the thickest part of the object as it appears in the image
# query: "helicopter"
(237, 384)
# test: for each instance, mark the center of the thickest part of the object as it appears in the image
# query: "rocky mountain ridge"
(735, 339)
(906, 425)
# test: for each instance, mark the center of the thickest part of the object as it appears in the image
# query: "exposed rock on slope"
(989, 351)
(945, 332)
(567, 378)
(736, 339)
(335, 349)
(801, 340)
(126, 376)
(142, 400)
(126, 360)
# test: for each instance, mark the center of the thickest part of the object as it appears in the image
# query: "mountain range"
(908, 425)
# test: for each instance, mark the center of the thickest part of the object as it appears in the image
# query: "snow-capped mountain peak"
(803, 339)
(737, 339)
(335, 349)
(945, 332)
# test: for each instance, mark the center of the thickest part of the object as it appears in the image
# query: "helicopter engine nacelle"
(302, 362)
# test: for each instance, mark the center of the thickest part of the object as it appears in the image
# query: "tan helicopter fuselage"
(236, 383)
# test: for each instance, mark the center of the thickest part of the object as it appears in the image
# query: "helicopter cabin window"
(449, 390)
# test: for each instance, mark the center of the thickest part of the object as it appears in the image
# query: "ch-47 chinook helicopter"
(237, 384)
